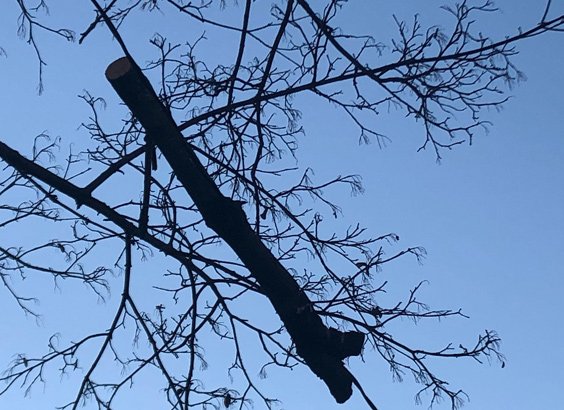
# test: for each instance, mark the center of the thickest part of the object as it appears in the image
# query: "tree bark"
(322, 348)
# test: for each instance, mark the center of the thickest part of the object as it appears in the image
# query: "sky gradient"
(490, 216)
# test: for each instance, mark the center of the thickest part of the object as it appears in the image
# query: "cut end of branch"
(118, 68)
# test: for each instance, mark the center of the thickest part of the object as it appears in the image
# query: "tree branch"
(322, 348)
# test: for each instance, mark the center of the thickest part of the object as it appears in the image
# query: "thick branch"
(322, 348)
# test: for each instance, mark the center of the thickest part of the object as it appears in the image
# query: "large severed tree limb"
(322, 348)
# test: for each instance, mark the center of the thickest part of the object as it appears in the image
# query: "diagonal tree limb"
(83, 197)
(322, 348)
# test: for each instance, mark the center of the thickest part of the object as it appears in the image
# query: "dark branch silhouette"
(207, 150)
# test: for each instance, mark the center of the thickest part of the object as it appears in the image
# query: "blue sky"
(490, 216)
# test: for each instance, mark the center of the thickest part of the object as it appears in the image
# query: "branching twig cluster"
(241, 122)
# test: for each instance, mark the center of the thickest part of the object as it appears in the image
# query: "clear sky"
(490, 217)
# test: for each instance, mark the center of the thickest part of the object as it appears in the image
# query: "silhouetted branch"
(224, 135)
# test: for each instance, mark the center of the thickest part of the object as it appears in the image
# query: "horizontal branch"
(377, 73)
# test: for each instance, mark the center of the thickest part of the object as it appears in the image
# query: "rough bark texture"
(322, 348)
